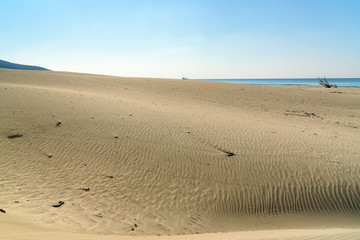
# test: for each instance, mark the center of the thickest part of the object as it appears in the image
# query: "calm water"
(340, 82)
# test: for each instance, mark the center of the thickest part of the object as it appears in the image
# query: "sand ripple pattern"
(155, 166)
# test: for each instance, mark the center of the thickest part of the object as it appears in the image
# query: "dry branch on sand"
(325, 83)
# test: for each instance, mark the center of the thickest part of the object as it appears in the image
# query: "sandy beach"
(99, 157)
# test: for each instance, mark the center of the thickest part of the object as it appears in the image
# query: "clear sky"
(185, 38)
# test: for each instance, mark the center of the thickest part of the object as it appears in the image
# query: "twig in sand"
(59, 204)
(15, 136)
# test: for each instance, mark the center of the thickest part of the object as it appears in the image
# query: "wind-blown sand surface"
(147, 157)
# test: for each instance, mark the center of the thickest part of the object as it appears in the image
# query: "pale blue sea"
(340, 82)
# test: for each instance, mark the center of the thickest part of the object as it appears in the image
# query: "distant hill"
(9, 65)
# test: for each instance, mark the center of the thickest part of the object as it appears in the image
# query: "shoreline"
(305, 82)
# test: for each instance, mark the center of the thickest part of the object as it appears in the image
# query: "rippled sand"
(147, 157)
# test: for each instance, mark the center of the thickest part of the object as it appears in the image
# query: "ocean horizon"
(313, 82)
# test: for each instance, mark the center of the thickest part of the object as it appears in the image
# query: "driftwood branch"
(325, 83)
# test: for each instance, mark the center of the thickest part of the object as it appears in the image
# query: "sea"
(340, 82)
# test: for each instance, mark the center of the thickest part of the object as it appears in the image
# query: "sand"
(141, 158)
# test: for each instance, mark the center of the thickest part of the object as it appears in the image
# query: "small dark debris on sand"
(59, 204)
(230, 154)
(85, 189)
(2, 210)
(312, 115)
(302, 114)
(116, 136)
(17, 202)
(15, 136)
(58, 124)
(132, 229)
(50, 156)
(135, 225)
(109, 176)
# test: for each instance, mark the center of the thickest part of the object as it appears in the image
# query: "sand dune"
(136, 156)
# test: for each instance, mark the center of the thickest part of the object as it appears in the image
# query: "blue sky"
(195, 39)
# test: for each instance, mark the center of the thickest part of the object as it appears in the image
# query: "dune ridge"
(141, 156)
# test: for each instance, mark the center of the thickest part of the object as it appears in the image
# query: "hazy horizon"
(193, 39)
